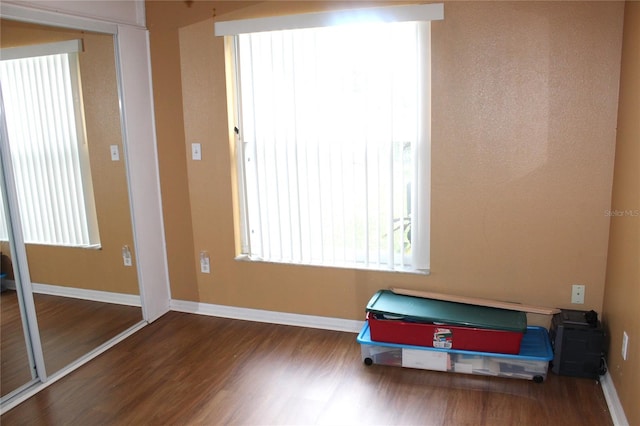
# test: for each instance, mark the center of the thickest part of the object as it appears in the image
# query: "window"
(332, 127)
(45, 124)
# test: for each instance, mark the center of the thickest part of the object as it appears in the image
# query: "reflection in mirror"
(83, 292)
(15, 366)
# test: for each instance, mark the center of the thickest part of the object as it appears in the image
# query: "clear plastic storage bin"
(531, 363)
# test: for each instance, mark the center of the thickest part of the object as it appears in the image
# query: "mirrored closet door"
(68, 167)
(17, 367)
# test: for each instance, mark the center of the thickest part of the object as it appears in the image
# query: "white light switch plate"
(115, 153)
(196, 151)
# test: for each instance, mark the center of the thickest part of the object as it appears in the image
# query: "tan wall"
(622, 292)
(87, 268)
(163, 20)
(524, 100)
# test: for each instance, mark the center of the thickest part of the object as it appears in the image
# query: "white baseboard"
(613, 402)
(258, 315)
(80, 293)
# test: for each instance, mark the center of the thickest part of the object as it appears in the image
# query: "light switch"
(196, 152)
(115, 153)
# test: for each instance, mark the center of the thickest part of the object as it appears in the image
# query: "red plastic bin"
(444, 336)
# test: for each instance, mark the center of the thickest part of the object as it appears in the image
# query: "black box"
(578, 342)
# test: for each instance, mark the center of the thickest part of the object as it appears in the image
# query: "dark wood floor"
(14, 363)
(188, 369)
(69, 328)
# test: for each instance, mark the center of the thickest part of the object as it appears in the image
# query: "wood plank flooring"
(186, 369)
(69, 328)
(14, 362)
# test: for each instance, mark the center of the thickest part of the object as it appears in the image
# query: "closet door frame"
(125, 21)
(19, 259)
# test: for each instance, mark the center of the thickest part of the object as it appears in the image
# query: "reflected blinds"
(49, 155)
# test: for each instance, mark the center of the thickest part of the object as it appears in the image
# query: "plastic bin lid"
(418, 309)
(535, 345)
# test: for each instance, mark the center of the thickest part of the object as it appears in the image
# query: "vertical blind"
(48, 149)
(333, 153)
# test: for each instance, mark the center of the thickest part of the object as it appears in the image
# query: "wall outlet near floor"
(205, 266)
(625, 344)
(126, 256)
(577, 293)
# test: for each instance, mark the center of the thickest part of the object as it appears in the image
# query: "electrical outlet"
(126, 256)
(625, 344)
(577, 293)
(205, 266)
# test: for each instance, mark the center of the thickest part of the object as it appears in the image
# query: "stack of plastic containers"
(447, 336)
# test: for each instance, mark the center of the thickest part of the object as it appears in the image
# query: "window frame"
(231, 29)
(70, 48)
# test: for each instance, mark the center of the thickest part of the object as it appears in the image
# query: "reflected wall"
(94, 269)
(83, 297)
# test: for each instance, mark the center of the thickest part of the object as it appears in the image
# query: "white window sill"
(357, 266)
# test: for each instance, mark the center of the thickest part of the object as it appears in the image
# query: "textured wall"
(622, 291)
(87, 268)
(524, 112)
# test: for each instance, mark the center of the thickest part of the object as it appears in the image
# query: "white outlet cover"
(204, 266)
(625, 344)
(577, 294)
